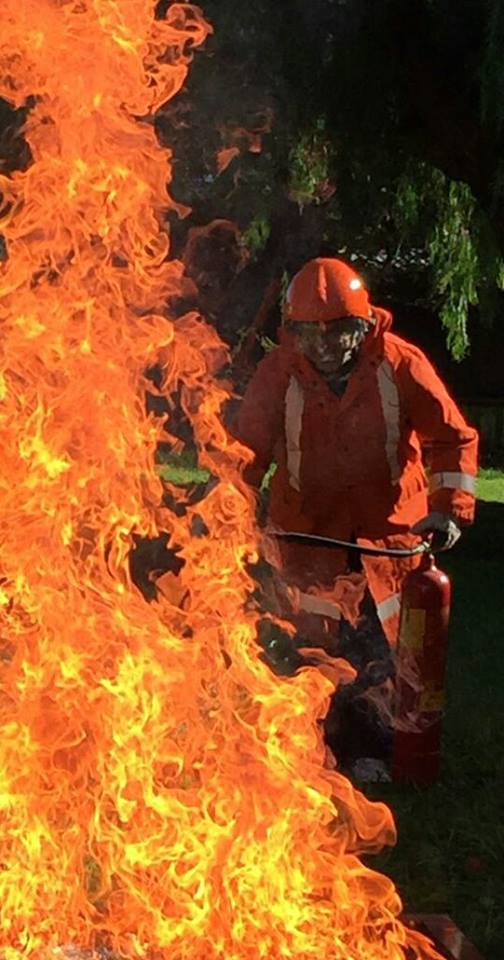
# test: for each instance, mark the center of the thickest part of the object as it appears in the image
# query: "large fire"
(162, 793)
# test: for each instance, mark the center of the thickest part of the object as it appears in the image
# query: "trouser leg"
(359, 722)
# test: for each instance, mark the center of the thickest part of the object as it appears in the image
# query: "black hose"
(292, 536)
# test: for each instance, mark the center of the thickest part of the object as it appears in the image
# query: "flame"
(225, 157)
(162, 794)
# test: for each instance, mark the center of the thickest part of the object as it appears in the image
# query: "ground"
(449, 855)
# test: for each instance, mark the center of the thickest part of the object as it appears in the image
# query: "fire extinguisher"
(420, 661)
(420, 673)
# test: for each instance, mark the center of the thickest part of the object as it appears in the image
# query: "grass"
(490, 487)
(449, 857)
(183, 476)
(181, 469)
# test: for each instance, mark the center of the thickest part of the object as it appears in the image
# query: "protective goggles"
(336, 331)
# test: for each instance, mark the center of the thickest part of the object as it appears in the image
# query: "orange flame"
(162, 794)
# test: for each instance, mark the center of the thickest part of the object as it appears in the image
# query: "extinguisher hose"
(311, 539)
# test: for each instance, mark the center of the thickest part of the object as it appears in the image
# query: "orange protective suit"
(367, 465)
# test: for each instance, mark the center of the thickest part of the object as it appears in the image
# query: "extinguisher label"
(413, 629)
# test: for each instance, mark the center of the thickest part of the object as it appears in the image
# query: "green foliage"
(465, 261)
(454, 259)
(255, 236)
(309, 165)
(408, 201)
(380, 123)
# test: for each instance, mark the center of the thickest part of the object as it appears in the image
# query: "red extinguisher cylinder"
(420, 676)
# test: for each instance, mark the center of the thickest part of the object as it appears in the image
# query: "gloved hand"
(444, 528)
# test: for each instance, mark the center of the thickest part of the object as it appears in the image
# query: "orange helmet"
(326, 289)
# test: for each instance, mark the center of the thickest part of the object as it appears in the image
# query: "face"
(328, 346)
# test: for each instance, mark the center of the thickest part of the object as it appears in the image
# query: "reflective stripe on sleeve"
(453, 481)
(389, 397)
(294, 406)
(390, 607)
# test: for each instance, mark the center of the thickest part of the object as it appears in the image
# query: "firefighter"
(369, 447)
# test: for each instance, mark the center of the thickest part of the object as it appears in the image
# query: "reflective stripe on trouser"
(294, 407)
(309, 603)
(389, 607)
(388, 612)
(453, 481)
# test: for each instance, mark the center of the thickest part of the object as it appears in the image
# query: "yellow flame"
(163, 795)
